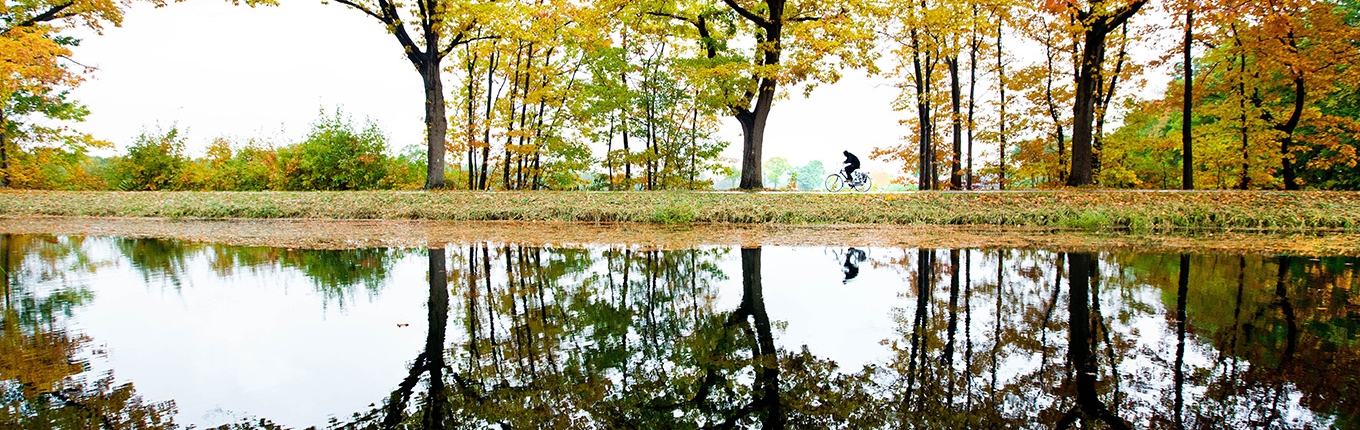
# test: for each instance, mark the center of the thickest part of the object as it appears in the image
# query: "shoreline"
(350, 234)
(1101, 211)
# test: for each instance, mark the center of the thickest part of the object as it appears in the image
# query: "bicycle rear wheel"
(864, 186)
(834, 182)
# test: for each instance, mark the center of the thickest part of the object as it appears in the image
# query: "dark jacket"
(852, 160)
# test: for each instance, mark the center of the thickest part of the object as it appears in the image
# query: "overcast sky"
(219, 70)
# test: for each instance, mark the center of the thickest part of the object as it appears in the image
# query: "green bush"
(155, 161)
(336, 156)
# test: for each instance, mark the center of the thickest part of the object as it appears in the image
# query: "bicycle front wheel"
(834, 182)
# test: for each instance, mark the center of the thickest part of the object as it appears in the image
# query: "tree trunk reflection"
(1081, 343)
(431, 359)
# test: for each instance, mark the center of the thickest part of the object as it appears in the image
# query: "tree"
(795, 42)
(1187, 150)
(441, 27)
(811, 175)
(775, 169)
(34, 81)
(31, 70)
(55, 154)
(1097, 19)
(1270, 106)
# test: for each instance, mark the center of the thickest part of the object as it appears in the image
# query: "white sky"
(216, 70)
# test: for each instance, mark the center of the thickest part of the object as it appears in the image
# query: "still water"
(143, 333)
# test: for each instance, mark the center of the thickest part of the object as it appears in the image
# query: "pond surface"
(124, 333)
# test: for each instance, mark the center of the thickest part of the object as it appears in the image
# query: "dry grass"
(1109, 211)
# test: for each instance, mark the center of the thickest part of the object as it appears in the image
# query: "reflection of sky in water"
(226, 341)
(258, 342)
(841, 322)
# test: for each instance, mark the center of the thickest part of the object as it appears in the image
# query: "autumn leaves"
(1266, 110)
(618, 95)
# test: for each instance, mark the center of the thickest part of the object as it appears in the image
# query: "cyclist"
(851, 165)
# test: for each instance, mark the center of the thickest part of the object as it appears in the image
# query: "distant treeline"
(337, 154)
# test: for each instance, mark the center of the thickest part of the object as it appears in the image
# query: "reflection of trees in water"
(1273, 329)
(619, 338)
(336, 274)
(44, 381)
(39, 275)
(630, 338)
(633, 338)
(1238, 342)
(42, 364)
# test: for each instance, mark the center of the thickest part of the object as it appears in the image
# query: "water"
(162, 333)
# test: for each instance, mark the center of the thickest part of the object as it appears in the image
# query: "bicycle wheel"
(834, 182)
(864, 186)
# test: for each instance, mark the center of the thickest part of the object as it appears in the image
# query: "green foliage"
(406, 171)
(776, 172)
(336, 156)
(155, 162)
(811, 175)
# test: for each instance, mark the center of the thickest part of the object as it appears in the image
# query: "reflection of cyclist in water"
(851, 267)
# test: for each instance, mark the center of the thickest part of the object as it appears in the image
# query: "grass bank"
(1080, 210)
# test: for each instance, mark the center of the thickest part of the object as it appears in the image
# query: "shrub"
(336, 156)
(155, 161)
(407, 170)
(53, 168)
(252, 167)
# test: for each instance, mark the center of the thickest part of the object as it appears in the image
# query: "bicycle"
(837, 181)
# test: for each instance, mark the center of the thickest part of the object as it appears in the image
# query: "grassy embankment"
(1080, 210)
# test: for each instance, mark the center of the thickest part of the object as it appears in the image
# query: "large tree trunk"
(753, 134)
(1088, 78)
(484, 176)
(1104, 97)
(1052, 103)
(471, 121)
(925, 145)
(1245, 181)
(436, 123)
(753, 137)
(1083, 112)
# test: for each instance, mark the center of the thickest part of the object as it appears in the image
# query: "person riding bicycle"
(851, 165)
